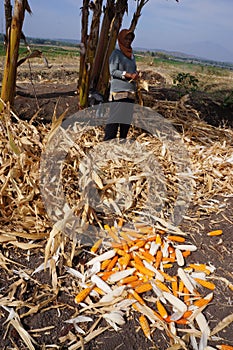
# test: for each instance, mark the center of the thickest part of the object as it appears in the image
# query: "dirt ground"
(49, 96)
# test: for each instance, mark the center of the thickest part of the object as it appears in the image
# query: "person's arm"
(115, 72)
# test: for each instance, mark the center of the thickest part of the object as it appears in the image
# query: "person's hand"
(132, 76)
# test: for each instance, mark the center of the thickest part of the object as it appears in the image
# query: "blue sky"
(201, 27)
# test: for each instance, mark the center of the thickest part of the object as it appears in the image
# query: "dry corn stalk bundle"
(20, 201)
(130, 272)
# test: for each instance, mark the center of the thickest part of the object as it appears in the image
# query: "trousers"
(120, 118)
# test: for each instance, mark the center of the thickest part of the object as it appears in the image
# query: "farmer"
(123, 71)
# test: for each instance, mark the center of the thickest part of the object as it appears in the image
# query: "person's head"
(125, 39)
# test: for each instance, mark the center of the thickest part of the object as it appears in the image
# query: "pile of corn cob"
(131, 270)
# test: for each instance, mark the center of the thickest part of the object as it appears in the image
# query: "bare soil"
(53, 94)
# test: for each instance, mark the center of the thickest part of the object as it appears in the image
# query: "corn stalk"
(137, 14)
(120, 9)
(84, 36)
(109, 11)
(8, 18)
(90, 52)
(12, 52)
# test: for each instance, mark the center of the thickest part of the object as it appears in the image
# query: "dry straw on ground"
(26, 229)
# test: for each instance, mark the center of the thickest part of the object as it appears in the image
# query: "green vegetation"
(186, 82)
(51, 52)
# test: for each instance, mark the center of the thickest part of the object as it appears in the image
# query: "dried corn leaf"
(222, 324)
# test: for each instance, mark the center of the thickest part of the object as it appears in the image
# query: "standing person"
(123, 71)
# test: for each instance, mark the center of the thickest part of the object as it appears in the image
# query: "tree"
(12, 40)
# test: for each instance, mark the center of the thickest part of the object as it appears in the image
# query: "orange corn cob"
(171, 249)
(125, 247)
(214, 233)
(137, 297)
(175, 287)
(202, 301)
(145, 326)
(112, 263)
(137, 260)
(128, 279)
(181, 287)
(105, 275)
(159, 257)
(162, 286)
(167, 266)
(186, 253)
(186, 296)
(120, 222)
(139, 244)
(135, 283)
(167, 277)
(171, 259)
(187, 314)
(224, 347)
(182, 321)
(83, 294)
(205, 284)
(120, 252)
(105, 264)
(144, 270)
(158, 240)
(96, 246)
(176, 238)
(124, 260)
(144, 287)
(151, 238)
(161, 309)
(200, 267)
(147, 256)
